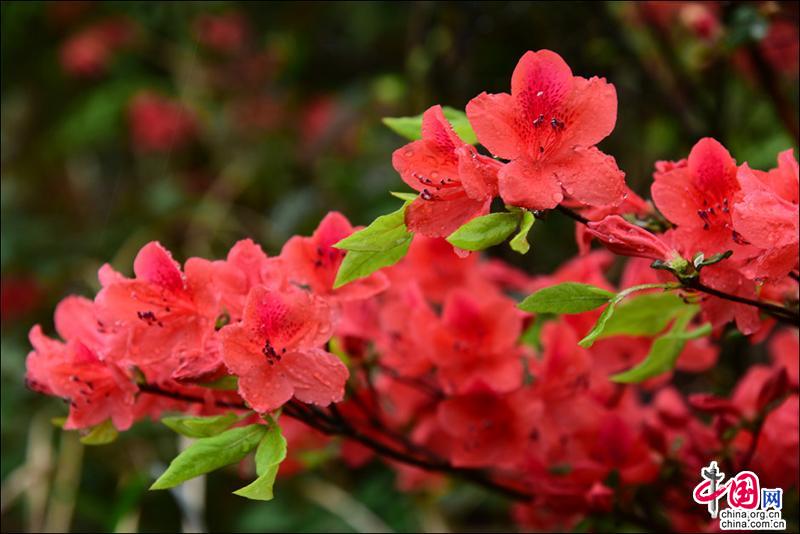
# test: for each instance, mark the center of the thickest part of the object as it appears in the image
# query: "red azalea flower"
(767, 216)
(167, 320)
(275, 350)
(87, 53)
(159, 124)
(475, 344)
(486, 429)
(97, 390)
(314, 262)
(548, 127)
(698, 194)
(627, 239)
(456, 184)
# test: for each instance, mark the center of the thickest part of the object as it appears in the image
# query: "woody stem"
(780, 313)
(335, 424)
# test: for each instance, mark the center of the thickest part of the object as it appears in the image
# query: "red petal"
(766, 220)
(478, 173)
(493, 119)
(154, 264)
(437, 129)
(674, 196)
(318, 377)
(290, 318)
(526, 185)
(713, 170)
(591, 177)
(265, 389)
(421, 165)
(590, 112)
(442, 217)
(540, 84)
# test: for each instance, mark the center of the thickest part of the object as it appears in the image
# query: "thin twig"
(315, 418)
(780, 313)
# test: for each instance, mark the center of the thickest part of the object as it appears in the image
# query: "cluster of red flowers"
(434, 351)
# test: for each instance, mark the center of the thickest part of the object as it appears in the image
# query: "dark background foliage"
(77, 192)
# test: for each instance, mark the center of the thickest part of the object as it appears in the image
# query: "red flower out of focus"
(226, 33)
(159, 124)
(19, 295)
(624, 238)
(275, 350)
(455, 183)
(87, 53)
(548, 127)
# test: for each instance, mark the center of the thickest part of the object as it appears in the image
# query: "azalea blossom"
(455, 183)
(275, 350)
(548, 127)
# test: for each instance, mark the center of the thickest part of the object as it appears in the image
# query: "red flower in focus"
(159, 124)
(96, 390)
(455, 183)
(475, 345)
(166, 320)
(486, 429)
(627, 239)
(767, 217)
(314, 262)
(275, 350)
(698, 194)
(226, 32)
(87, 53)
(548, 127)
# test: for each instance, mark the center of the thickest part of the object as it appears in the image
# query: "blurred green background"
(281, 105)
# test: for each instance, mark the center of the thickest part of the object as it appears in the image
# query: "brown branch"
(335, 424)
(779, 313)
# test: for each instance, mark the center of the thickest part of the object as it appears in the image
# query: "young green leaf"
(101, 434)
(200, 427)
(359, 264)
(520, 242)
(484, 232)
(569, 297)
(602, 321)
(269, 455)
(402, 195)
(665, 349)
(207, 454)
(644, 315)
(384, 233)
(411, 127)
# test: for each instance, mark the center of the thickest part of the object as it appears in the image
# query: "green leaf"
(384, 233)
(645, 315)
(381, 244)
(411, 127)
(402, 195)
(200, 427)
(101, 434)
(665, 349)
(359, 264)
(520, 242)
(484, 232)
(207, 454)
(225, 383)
(602, 321)
(569, 297)
(269, 455)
